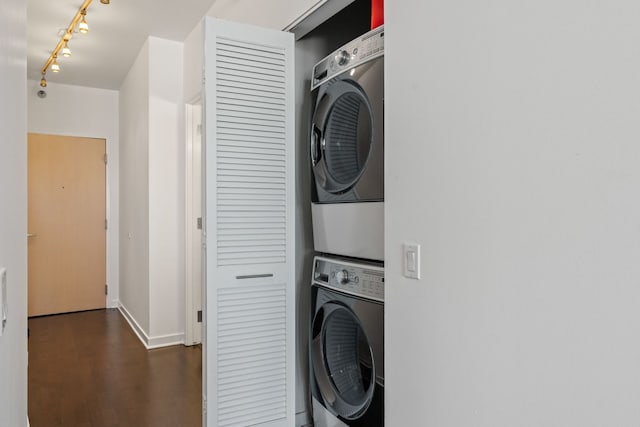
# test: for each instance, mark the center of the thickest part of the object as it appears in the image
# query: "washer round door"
(342, 361)
(341, 136)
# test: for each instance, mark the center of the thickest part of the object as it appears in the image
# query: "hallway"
(88, 369)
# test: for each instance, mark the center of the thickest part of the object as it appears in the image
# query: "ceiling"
(117, 31)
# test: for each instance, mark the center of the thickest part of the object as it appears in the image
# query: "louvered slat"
(240, 167)
(251, 350)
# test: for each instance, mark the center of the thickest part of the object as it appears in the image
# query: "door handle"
(315, 145)
(254, 276)
(31, 235)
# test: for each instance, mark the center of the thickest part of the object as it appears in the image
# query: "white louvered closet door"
(250, 285)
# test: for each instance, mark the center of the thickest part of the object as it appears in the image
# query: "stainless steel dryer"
(347, 149)
(346, 346)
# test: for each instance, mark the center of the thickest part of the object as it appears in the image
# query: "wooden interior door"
(66, 224)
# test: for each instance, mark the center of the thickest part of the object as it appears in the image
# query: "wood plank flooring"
(88, 369)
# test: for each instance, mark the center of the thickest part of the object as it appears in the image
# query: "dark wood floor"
(88, 369)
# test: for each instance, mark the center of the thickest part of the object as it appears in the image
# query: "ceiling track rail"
(78, 18)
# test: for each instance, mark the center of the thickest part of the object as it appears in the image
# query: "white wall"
(275, 14)
(152, 188)
(134, 188)
(166, 192)
(85, 112)
(512, 158)
(13, 215)
(193, 63)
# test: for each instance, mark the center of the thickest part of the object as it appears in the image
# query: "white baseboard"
(137, 329)
(165, 341)
(147, 341)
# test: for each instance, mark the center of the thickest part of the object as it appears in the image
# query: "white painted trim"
(314, 16)
(165, 341)
(296, 22)
(188, 241)
(111, 298)
(137, 329)
(191, 337)
(150, 342)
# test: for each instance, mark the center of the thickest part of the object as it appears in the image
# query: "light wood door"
(66, 224)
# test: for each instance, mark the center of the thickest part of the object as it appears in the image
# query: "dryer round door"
(341, 136)
(342, 361)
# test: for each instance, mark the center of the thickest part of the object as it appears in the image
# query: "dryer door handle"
(316, 153)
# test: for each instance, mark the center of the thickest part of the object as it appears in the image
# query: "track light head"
(43, 82)
(55, 67)
(83, 27)
(66, 52)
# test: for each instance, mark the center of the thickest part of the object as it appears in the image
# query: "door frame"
(193, 286)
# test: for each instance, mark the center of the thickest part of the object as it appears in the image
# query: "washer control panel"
(359, 279)
(362, 49)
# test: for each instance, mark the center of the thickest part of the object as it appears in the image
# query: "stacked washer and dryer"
(346, 344)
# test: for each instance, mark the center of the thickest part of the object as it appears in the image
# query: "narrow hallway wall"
(13, 212)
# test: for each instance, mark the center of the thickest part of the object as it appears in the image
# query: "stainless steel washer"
(347, 149)
(346, 346)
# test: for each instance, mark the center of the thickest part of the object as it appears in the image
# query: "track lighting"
(79, 21)
(83, 27)
(66, 52)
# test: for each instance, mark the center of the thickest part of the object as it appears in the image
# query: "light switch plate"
(3, 299)
(411, 260)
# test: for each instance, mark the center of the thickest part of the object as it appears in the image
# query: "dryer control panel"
(362, 49)
(359, 279)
